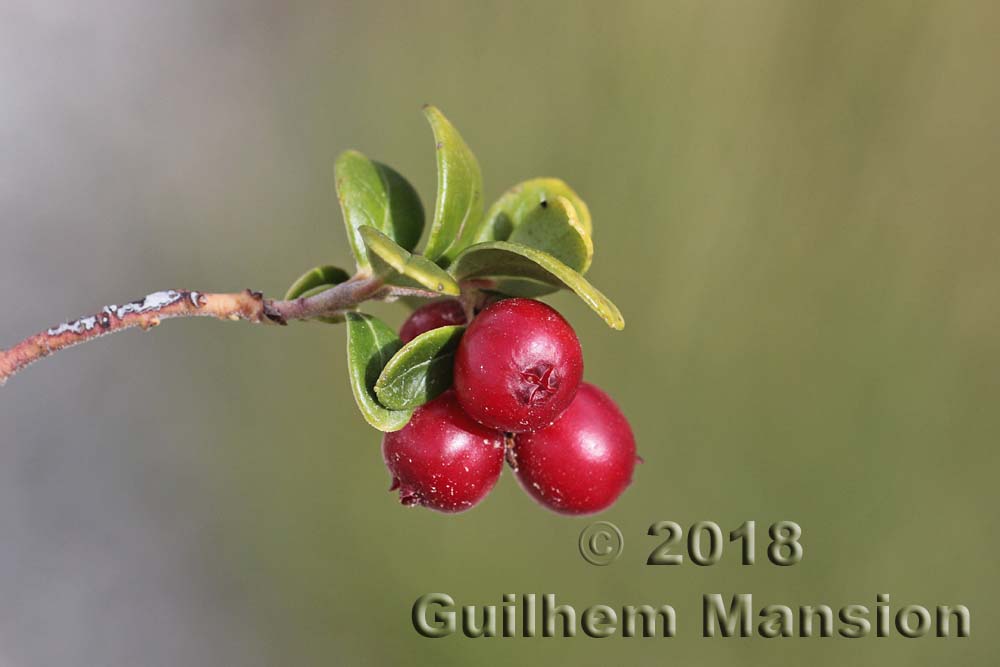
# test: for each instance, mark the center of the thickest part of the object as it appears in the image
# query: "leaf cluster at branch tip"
(535, 239)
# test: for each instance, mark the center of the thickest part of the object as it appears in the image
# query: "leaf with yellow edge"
(458, 209)
(502, 260)
(387, 258)
(510, 210)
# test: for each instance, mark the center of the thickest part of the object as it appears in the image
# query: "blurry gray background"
(795, 206)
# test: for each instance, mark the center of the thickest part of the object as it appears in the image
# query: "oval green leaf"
(555, 228)
(551, 227)
(421, 370)
(458, 209)
(376, 195)
(389, 259)
(313, 279)
(370, 346)
(500, 260)
(513, 207)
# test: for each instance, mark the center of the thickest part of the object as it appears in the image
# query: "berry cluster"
(517, 391)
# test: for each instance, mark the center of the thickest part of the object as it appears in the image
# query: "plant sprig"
(534, 240)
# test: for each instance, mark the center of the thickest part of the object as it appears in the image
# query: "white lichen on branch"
(149, 311)
(145, 313)
(151, 302)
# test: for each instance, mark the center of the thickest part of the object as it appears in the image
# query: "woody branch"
(149, 311)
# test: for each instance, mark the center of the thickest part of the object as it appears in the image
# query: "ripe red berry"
(518, 366)
(583, 462)
(431, 316)
(442, 459)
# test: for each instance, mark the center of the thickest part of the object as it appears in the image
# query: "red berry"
(518, 366)
(583, 462)
(442, 459)
(431, 316)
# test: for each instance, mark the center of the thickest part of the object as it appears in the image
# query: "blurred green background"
(795, 206)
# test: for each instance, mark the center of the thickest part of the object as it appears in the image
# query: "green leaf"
(370, 346)
(314, 280)
(374, 194)
(555, 228)
(387, 258)
(513, 207)
(458, 209)
(545, 214)
(500, 259)
(421, 370)
(320, 276)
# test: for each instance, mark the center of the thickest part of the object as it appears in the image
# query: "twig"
(151, 310)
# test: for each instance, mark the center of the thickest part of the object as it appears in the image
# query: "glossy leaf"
(421, 370)
(376, 195)
(458, 209)
(512, 208)
(500, 260)
(545, 214)
(313, 279)
(555, 228)
(370, 346)
(387, 258)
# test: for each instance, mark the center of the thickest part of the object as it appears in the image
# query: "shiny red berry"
(431, 316)
(518, 366)
(442, 459)
(583, 462)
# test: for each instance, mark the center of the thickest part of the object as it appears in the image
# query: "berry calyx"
(582, 462)
(518, 366)
(442, 459)
(432, 316)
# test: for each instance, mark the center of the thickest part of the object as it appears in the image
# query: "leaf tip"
(439, 123)
(614, 317)
(346, 156)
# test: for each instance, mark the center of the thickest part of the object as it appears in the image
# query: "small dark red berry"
(442, 459)
(431, 316)
(583, 462)
(518, 366)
